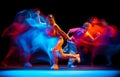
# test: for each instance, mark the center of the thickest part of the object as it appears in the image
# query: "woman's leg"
(26, 53)
(57, 48)
(54, 53)
(54, 60)
(10, 52)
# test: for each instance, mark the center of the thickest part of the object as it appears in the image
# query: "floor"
(63, 71)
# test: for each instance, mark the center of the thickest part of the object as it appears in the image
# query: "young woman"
(56, 31)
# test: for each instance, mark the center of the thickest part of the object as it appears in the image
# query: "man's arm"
(73, 30)
(6, 31)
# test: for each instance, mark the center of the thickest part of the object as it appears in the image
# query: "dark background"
(68, 13)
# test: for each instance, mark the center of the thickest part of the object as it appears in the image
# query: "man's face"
(94, 21)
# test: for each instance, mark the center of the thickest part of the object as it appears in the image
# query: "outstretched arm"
(88, 34)
(72, 30)
(62, 32)
(93, 38)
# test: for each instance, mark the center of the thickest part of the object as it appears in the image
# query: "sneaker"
(71, 66)
(78, 58)
(54, 67)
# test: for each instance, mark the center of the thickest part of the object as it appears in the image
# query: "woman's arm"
(62, 32)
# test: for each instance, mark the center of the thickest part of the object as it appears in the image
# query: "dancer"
(31, 39)
(81, 42)
(55, 31)
(13, 32)
(22, 32)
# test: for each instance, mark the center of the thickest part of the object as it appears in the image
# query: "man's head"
(93, 20)
(87, 26)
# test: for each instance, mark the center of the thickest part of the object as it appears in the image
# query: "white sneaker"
(71, 66)
(54, 67)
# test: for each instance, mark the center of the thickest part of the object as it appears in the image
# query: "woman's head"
(50, 19)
